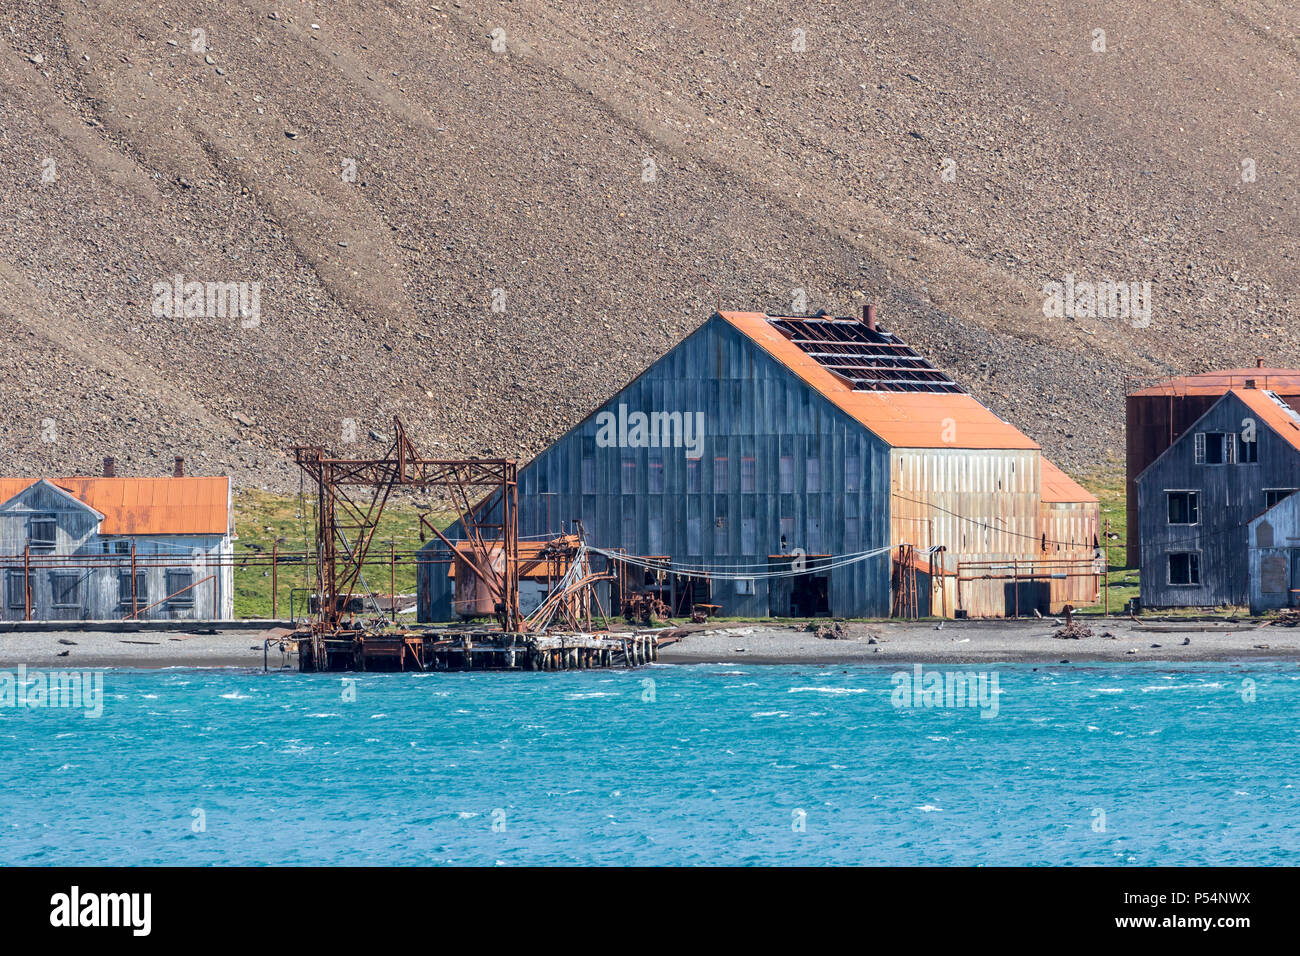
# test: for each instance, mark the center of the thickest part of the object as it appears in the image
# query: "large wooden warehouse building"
(762, 441)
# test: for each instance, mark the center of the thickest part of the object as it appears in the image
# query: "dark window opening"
(1184, 568)
(1273, 495)
(1215, 448)
(1184, 507)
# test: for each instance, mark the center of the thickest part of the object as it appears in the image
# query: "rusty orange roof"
(1273, 412)
(145, 505)
(1059, 487)
(1221, 382)
(902, 419)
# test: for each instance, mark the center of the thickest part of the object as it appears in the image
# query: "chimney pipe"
(179, 470)
(110, 467)
(1259, 362)
(869, 315)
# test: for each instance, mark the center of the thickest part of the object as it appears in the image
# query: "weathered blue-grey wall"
(1230, 496)
(92, 593)
(776, 457)
(1275, 557)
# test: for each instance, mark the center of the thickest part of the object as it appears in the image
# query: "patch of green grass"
(264, 521)
(1108, 484)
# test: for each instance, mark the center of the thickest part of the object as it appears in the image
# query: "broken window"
(1184, 568)
(1184, 507)
(1273, 495)
(1215, 448)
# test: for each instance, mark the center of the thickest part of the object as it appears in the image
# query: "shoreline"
(892, 643)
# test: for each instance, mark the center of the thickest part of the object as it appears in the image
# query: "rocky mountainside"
(484, 217)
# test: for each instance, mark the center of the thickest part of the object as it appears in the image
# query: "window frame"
(43, 544)
(1169, 569)
(57, 575)
(141, 592)
(1228, 448)
(1195, 494)
(16, 574)
(1269, 491)
(186, 598)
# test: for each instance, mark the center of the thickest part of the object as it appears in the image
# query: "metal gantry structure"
(352, 493)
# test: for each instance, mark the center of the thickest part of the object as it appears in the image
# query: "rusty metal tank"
(472, 596)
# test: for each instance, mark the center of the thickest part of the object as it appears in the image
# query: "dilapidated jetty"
(466, 650)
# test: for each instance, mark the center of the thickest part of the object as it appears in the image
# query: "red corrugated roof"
(145, 505)
(1223, 381)
(1059, 487)
(902, 419)
(1281, 418)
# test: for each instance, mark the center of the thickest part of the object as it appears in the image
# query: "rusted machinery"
(483, 493)
(351, 495)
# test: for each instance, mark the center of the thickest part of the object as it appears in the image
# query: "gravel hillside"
(378, 169)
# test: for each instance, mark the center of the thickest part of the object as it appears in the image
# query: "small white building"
(99, 549)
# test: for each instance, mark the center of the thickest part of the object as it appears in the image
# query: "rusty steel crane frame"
(475, 488)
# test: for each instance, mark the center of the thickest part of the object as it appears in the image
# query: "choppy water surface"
(1132, 764)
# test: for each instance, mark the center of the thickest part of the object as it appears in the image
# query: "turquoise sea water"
(726, 765)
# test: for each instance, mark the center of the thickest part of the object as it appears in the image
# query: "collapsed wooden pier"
(461, 650)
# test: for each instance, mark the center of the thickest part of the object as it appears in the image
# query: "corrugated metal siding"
(97, 588)
(981, 505)
(1230, 496)
(753, 408)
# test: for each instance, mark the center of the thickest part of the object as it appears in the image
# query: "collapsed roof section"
(931, 412)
